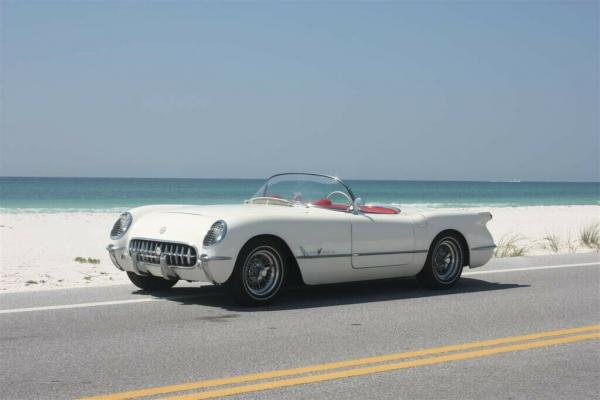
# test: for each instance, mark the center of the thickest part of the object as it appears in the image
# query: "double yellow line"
(361, 366)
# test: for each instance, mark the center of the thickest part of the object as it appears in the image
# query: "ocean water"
(115, 194)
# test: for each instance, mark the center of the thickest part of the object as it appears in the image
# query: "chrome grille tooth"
(189, 256)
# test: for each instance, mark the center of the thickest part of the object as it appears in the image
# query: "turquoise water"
(113, 194)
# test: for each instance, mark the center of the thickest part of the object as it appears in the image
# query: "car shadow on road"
(303, 297)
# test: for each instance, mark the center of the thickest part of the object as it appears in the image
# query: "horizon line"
(511, 180)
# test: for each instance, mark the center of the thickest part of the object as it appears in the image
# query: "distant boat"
(515, 180)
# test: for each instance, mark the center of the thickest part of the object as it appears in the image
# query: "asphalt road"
(83, 342)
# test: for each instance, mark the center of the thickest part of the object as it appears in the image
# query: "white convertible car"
(304, 227)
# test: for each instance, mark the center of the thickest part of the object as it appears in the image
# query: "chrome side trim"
(206, 258)
(492, 246)
(385, 253)
(323, 256)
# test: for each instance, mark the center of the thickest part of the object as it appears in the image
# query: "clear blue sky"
(443, 91)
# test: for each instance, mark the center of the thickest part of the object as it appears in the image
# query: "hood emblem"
(162, 230)
(158, 251)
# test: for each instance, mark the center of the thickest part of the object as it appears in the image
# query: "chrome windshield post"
(357, 205)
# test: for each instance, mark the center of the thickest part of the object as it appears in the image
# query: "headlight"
(121, 226)
(215, 234)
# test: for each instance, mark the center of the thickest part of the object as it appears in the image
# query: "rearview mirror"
(357, 205)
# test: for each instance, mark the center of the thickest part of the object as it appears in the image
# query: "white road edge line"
(497, 271)
(95, 304)
(149, 299)
(78, 305)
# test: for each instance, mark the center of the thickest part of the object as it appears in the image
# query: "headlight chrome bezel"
(121, 226)
(215, 234)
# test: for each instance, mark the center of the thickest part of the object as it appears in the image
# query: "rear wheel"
(444, 263)
(260, 272)
(150, 282)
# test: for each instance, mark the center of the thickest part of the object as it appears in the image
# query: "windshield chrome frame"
(335, 178)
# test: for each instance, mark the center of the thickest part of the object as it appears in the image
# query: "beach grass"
(571, 244)
(552, 243)
(589, 236)
(511, 245)
(88, 260)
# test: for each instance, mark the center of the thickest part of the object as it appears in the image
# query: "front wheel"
(150, 283)
(260, 272)
(444, 263)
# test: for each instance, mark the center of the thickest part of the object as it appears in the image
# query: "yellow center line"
(335, 365)
(380, 368)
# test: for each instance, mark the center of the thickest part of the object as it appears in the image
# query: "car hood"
(179, 222)
(232, 210)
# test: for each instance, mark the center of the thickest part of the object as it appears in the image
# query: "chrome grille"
(176, 254)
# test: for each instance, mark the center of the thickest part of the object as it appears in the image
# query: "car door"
(382, 240)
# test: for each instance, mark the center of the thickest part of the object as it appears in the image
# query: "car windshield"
(305, 189)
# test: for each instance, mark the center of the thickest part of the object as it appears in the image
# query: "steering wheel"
(342, 193)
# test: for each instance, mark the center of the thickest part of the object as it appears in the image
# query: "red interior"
(379, 210)
(326, 203)
(322, 203)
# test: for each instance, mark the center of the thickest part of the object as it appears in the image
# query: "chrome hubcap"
(262, 271)
(447, 259)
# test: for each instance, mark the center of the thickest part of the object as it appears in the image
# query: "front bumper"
(200, 272)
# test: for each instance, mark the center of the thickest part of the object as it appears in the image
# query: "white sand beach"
(38, 250)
